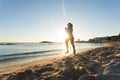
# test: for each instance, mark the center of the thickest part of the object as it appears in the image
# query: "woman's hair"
(70, 24)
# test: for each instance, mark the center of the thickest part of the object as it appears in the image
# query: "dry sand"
(94, 64)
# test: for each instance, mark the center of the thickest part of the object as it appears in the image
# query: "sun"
(60, 36)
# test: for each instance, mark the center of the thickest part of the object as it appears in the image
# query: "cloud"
(64, 9)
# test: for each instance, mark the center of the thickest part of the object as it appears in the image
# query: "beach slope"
(101, 63)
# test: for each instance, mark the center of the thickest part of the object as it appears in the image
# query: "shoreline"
(40, 62)
(25, 65)
(91, 63)
(8, 62)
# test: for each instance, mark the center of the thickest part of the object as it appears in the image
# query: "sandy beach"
(101, 63)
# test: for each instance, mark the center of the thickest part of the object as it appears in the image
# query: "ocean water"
(18, 53)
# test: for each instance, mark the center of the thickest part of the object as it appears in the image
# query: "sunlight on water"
(63, 47)
(19, 53)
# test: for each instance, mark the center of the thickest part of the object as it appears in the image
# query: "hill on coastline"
(46, 42)
(106, 39)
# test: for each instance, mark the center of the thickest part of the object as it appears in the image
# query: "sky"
(45, 20)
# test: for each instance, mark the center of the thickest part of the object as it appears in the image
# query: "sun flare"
(60, 36)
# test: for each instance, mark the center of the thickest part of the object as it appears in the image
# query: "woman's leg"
(66, 42)
(73, 45)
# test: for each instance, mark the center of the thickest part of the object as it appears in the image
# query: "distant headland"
(105, 39)
(46, 42)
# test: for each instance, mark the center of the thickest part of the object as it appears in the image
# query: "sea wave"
(25, 55)
(8, 43)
